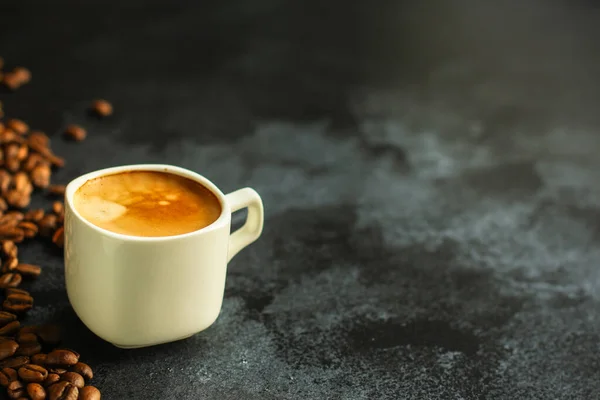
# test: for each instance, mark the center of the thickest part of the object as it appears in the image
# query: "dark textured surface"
(430, 176)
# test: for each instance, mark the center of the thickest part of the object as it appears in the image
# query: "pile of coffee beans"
(32, 366)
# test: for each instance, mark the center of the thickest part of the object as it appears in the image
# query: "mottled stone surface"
(430, 172)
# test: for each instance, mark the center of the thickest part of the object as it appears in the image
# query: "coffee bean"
(24, 337)
(17, 199)
(57, 371)
(12, 290)
(10, 280)
(38, 138)
(58, 238)
(6, 317)
(75, 132)
(11, 81)
(29, 349)
(36, 391)
(48, 225)
(8, 375)
(29, 270)
(74, 378)
(5, 180)
(3, 204)
(57, 190)
(10, 264)
(58, 208)
(22, 74)
(62, 358)
(102, 108)
(63, 391)
(15, 389)
(14, 362)
(9, 329)
(49, 334)
(29, 229)
(84, 370)
(23, 152)
(89, 393)
(18, 126)
(39, 359)
(40, 176)
(18, 303)
(32, 161)
(12, 233)
(35, 215)
(33, 373)
(51, 379)
(9, 249)
(22, 183)
(8, 348)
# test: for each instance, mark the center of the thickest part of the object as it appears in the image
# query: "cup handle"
(252, 229)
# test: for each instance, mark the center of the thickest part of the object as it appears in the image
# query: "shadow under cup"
(137, 291)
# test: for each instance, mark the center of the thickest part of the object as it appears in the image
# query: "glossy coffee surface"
(147, 203)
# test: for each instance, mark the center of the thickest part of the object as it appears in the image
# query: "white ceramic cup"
(142, 291)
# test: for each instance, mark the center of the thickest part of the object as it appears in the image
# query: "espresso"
(147, 203)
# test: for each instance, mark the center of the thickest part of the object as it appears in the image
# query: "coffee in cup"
(147, 203)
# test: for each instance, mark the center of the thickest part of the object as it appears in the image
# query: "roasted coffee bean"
(38, 138)
(29, 349)
(18, 126)
(23, 152)
(6, 317)
(8, 348)
(15, 389)
(10, 264)
(36, 391)
(32, 161)
(51, 379)
(5, 180)
(38, 359)
(14, 362)
(18, 303)
(74, 378)
(62, 358)
(35, 215)
(89, 393)
(49, 334)
(10, 328)
(22, 183)
(24, 337)
(58, 238)
(9, 248)
(11, 81)
(75, 132)
(22, 74)
(10, 280)
(3, 204)
(57, 371)
(63, 391)
(17, 199)
(57, 190)
(102, 108)
(12, 290)
(8, 375)
(40, 176)
(84, 370)
(29, 228)
(48, 225)
(12, 233)
(58, 208)
(33, 373)
(29, 270)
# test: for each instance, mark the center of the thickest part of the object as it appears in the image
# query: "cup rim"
(76, 183)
